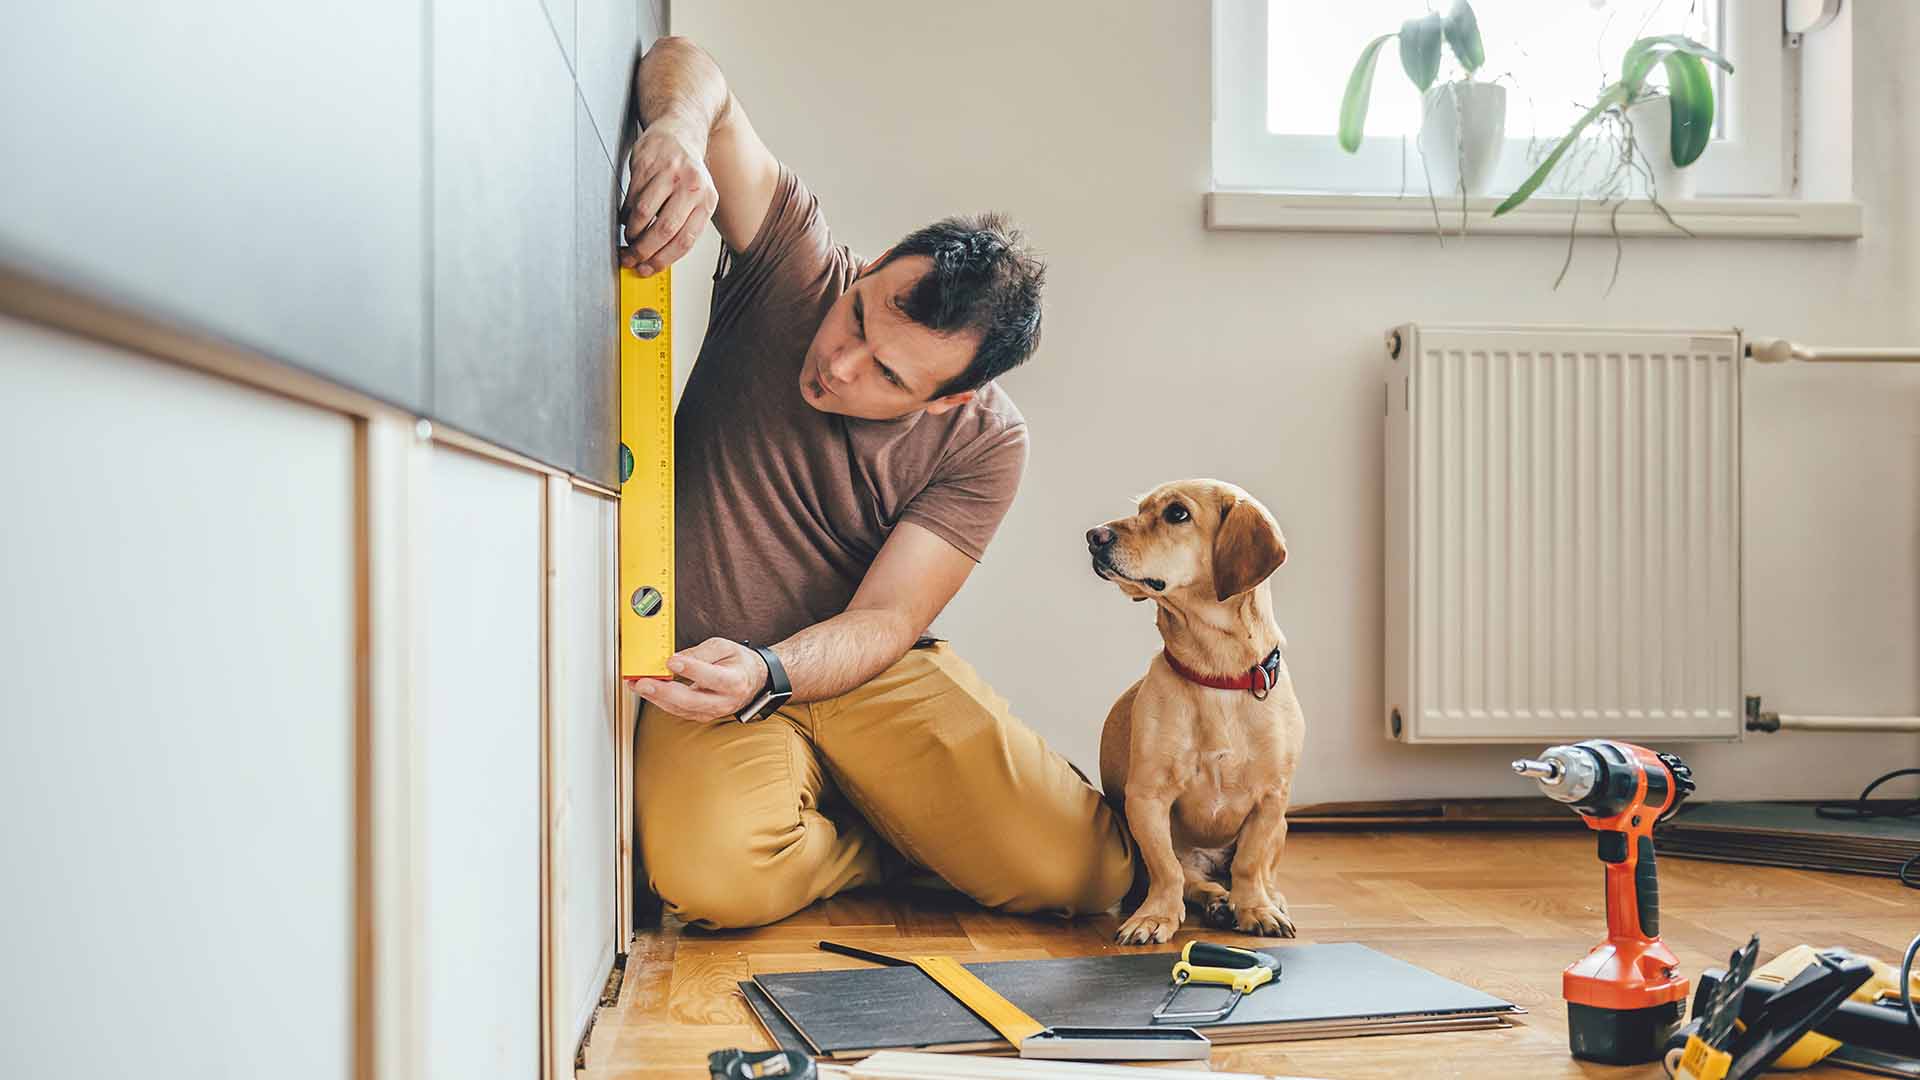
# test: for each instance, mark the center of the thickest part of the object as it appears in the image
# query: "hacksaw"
(646, 473)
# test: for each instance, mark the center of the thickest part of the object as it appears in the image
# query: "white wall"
(1172, 351)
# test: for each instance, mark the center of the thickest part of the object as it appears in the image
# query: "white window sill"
(1306, 212)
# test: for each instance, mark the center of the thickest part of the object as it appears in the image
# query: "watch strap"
(777, 680)
(774, 693)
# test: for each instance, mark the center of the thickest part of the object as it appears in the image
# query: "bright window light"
(1554, 56)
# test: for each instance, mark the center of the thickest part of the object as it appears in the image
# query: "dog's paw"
(1149, 926)
(1219, 915)
(1263, 919)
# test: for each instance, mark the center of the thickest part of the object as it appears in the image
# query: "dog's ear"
(1247, 548)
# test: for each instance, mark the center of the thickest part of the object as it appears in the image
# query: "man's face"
(869, 360)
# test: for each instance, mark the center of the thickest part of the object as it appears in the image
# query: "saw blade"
(1723, 1004)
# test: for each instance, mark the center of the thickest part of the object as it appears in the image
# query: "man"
(844, 458)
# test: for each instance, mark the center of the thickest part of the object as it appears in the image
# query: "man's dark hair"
(984, 281)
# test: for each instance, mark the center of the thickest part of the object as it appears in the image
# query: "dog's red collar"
(1257, 680)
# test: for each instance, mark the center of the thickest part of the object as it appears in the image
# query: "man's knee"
(1067, 891)
(720, 874)
(713, 853)
(1081, 879)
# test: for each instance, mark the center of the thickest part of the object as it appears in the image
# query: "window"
(1281, 69)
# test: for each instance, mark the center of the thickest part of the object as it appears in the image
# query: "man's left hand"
(718, 678)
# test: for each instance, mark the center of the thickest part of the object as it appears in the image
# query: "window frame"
(1752, 159)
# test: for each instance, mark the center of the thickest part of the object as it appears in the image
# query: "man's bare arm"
(905, 588)
(697, 158)
(909, 584)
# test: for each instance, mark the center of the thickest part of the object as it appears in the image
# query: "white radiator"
(1563, 534)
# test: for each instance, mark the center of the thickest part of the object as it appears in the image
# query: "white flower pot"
(1652, 121)
(1462, 131)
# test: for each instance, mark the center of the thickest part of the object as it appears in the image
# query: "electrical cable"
(1861, 809)
(1906, 983)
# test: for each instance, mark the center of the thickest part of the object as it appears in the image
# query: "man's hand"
(670, 196)
(697, 159)
(721, 678)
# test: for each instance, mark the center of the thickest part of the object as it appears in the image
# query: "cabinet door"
(480, 748)
(586, 808)
(177, 702)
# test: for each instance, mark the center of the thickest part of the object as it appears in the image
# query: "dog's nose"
(1099, 537)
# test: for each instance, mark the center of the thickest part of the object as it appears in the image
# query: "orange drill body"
(1629, 986)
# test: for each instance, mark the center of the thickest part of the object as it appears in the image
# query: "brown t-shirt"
(780, 508)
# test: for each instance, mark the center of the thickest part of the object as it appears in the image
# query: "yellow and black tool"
(1219, 965)
(646, 474)
(1730, 1039)
(735, 1064)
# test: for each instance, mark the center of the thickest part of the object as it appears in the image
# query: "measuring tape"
(646, 473)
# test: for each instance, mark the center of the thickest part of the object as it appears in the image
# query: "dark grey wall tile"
(505, 322)
(250, 171)
(596, 363)
(608, 38)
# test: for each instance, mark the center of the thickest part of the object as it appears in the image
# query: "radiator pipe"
(1758, 720)
(1780, 350)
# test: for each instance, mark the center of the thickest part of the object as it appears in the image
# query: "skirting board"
(1525, 812)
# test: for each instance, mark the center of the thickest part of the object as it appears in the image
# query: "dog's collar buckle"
(1264, 675)
(1258, 680)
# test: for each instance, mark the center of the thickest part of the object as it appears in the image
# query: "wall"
(414, 199)
(1172, 351)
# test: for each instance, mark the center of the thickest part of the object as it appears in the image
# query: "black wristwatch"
(773, 695)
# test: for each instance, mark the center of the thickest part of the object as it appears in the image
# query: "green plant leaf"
(1353, 107)
(1613, 96)
(1690, 101)
(1420, 49)
(1640, 57)
(1463, 36)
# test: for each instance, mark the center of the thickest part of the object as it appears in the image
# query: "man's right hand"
(670, 196)
(697, 159)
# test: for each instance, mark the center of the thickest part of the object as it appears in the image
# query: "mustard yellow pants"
(744, 824)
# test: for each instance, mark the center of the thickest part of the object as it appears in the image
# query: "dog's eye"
(1175, 513)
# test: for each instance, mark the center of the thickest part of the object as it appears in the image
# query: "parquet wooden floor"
(1504, 911)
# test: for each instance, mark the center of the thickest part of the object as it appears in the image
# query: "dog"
(1203, 773)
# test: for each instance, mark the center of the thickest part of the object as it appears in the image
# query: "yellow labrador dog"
(1202, 749)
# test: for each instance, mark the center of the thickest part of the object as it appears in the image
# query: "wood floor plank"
(1500, 910)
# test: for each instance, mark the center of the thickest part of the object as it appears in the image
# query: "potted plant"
(1653, 134)
(1463, 122)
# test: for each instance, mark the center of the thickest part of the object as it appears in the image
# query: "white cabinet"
(587, 813)
(310, 762)
(480, 746)
(177, 701)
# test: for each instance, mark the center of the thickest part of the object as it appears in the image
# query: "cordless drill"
(1624, 998)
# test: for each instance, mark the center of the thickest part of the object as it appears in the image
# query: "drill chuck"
(1565, 773)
